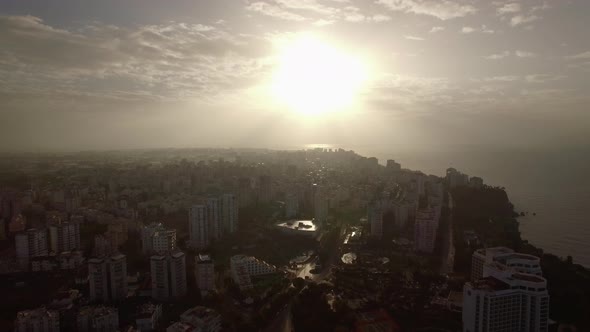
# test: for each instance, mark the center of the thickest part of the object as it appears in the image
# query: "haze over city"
(137, 74)
(294, 165)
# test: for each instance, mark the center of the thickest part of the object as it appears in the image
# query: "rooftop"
(199, 312)
(203, 258)
(299, 225)
(491, 284)
(527, 277)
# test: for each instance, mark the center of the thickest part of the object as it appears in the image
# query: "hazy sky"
(145, 73)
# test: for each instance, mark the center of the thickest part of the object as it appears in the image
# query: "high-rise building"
(97, 319)
(64, 236)
(214, 215)
(425, 230)
(291, 205)
(108, 278)
(37, 320)
(375, 216)
(204, 273)
(264, 189)
(103, 246)
(229, 213)
(393, 166)
(168, 273)
(245, 192)
(198, 225)
(456, 179)
(321, 207)
(517, 262)
(506, 301)
(29, 244)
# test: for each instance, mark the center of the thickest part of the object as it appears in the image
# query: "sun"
(313, 77)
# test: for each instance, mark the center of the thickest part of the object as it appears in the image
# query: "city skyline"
(123, 75)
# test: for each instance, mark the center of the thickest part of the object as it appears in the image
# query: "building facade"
(204, 273)
(168, 274)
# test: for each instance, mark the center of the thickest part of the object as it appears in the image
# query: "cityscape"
(260, 240)
(294, 165)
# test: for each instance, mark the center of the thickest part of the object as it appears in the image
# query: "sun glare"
(314, 78)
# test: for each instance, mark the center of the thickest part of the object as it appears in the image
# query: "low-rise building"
(203, 318)
(97, 319)
(148, 316)
(37, 320)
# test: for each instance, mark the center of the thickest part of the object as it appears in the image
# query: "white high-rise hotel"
(507, 293)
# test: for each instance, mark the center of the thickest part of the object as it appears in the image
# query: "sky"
(118, 74)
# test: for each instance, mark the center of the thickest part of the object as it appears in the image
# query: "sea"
(551, 184)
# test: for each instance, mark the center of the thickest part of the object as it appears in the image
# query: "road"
(283, 322)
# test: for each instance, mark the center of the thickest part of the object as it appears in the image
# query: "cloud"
(524, 54)
(467, 30)
(413, 38)
(320, 13)
(168, 61)
(497, 56)
(542, 78)
(436, 29)
(508, 8)
(275, 11)
(381, 18)
(584, 55)
(441, 9)
(523, 19)
(483, 29)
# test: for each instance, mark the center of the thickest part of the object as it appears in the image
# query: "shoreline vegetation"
(489, 213)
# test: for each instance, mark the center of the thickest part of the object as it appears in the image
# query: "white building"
(244, 267)
(157, 238)
(64, 236)
(518, 262)
(198, 225)
(203, 318)
(229, 213)
(506, 301)
(425, 229)
(204, 273)
(97, 319)
(168, 274)
(31, 243)
(37, 320)
(108, 278)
